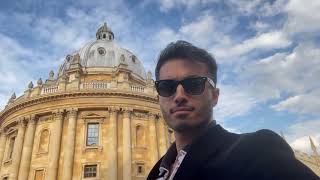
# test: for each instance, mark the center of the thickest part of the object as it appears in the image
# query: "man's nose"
(180, 96)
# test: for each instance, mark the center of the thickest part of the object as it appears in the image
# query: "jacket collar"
(208, 144)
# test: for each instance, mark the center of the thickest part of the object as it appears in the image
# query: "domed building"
(98, 118)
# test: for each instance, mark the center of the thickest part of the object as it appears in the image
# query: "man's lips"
(181, 109)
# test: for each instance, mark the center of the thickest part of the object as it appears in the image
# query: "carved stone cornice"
(18, 105)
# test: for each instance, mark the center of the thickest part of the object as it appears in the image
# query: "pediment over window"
(93, 115)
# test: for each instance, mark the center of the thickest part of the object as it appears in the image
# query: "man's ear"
(215, 95)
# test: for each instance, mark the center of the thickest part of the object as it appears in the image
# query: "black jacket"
(221, 155)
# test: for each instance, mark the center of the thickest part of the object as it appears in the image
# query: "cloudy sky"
(268, 52)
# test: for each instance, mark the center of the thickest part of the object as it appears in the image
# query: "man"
(186, 83)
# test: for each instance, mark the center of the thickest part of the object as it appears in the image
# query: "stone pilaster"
(3, 140)
(27, 149)
(69, 148)
(55, 139)
(161, 129)
(113, 159)
(153, 138)
(17, 151)
(126, 135)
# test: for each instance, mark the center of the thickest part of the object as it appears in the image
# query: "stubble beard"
(203, 118)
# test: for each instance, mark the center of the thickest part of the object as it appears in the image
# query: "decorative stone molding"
(21, 104)
(58, 114)
(127, 112)
(140, 115)
(32, 119)
(72, 112)
(21, 122)
(112, 109)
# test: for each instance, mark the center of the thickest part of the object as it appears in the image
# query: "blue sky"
(268, 52)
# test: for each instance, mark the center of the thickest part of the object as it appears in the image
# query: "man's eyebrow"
(191, 76)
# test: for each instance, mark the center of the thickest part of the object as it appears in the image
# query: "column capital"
(32, 119)
(2, 131)
(21, 122)
(127, 112)
(72, 111)
(58, 113)
(154, 115)
(113, 109)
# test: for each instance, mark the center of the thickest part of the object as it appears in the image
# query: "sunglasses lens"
(166, 88)
(194, 86)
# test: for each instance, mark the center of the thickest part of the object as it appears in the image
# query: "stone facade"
(99, 118)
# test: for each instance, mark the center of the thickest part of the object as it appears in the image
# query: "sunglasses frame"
(210, 81)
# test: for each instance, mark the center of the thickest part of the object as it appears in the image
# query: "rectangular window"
(90, 171)
(11, 147)
(39, 175)
(92, 134)
(140, 169)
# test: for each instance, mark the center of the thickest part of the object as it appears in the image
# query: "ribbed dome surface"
(106, 55)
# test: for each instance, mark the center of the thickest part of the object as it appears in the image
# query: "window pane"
(90, 171)
(39, 175)
(92, 134)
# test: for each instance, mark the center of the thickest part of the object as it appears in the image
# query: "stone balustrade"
(95, 85)
(137, 88)
(50, 89)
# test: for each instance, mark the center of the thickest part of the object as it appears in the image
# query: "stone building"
(313, 160)
(98, 118)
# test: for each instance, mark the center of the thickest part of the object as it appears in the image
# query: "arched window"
(104, 36)
(44, 141)
(11, 147)
(140, 136)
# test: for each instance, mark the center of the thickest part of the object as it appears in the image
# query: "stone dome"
(104, 55)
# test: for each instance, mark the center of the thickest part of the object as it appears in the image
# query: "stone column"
(113, 160)
(55, 141)
(161, 129)
(17, 149)
(3, 140)
(153, 138)
(70, 145)
(27, 149)
(126, 140)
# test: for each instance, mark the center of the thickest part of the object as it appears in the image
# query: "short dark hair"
(186, 51)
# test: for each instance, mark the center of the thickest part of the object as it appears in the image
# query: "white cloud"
(200, 31)
(302, 16)
(233, 102)
(246, 7)
(298, 135)
(302, 104)
(166, 5)
(295, 73)
(262, 42)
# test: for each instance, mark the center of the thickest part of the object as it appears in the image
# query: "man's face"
(183, 111)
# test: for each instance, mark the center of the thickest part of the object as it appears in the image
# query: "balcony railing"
(95, 85)
(48, 90)
(137, 88)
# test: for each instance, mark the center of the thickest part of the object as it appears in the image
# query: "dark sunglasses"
(192, 86)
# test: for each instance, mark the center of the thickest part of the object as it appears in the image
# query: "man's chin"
(182, 127)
